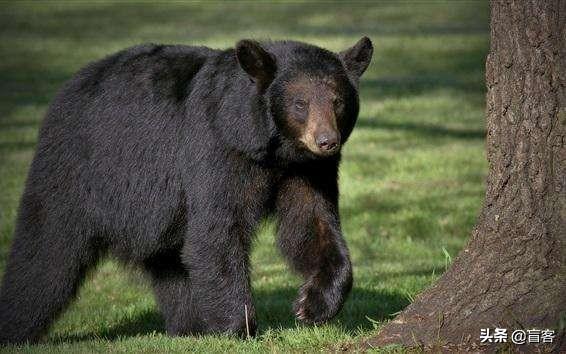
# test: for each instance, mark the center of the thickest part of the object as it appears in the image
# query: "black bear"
(167, 157)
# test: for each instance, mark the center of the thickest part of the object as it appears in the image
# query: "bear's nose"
(327, 142)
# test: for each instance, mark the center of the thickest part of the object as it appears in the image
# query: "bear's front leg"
(216, 257)
(310, 239)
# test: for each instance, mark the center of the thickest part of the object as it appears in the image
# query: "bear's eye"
(300, 104)
(338, 103)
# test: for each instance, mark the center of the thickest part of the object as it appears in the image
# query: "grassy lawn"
(411, 179)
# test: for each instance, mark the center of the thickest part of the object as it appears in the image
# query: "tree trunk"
(512, 273)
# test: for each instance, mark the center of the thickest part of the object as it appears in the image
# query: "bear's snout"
(328, 142)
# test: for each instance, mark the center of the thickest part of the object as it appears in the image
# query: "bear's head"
(310, 93)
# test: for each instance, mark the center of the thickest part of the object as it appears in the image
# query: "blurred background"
(411, 179)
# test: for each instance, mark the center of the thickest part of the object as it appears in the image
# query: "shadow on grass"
(274, 312)
(16, 146)
(423, 129)
(31, 123)
(426, 79)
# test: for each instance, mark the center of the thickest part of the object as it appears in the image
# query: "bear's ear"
(256, 62)
(357, 58)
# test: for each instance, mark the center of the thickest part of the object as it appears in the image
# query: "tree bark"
(512, 273)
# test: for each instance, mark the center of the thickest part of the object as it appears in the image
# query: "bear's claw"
(311, 305)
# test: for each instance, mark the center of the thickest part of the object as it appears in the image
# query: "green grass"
(412, 174)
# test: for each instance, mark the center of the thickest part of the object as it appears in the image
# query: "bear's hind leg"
(44, 270)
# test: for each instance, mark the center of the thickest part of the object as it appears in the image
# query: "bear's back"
(157, 71)
(110, 142)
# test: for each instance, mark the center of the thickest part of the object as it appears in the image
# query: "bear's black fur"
(167, 157)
